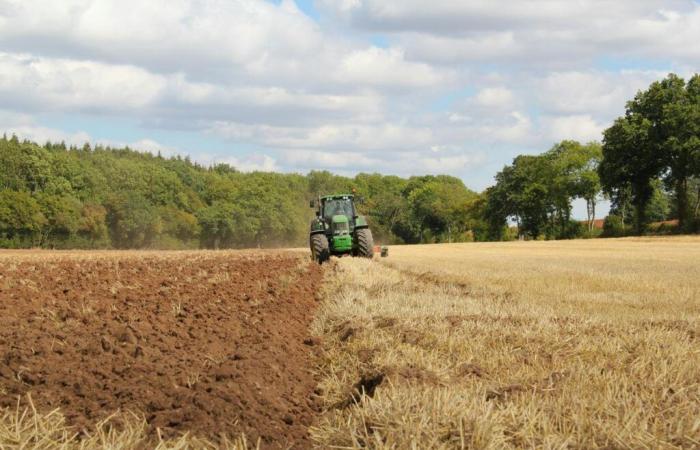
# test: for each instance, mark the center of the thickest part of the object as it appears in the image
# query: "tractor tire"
(319, 248)
(365, 243)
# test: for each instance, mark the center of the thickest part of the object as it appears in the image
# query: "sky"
(405, 87)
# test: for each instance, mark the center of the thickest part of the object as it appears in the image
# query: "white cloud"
(151, 146)
(531, 32)
(307, 159)
(403, 163)
(582, 128)
(387, 67)
(253, 163)
(41, 135)
(24, 127)
(593, 92)
(75, 85)
(163, 34)
(336, 136)
(496, 97)
(459, 84)
(455, 49)
(454, 164)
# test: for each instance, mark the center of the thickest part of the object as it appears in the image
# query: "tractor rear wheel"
(319, 248)
(365, 243)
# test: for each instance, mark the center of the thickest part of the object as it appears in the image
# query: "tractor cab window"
(338, 207)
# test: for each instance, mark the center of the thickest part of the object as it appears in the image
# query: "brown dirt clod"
(504, 392)
(346, 331)
(365, 386)
(468, 370)
(416, 375)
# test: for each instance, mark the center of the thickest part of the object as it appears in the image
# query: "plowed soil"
(210, 343)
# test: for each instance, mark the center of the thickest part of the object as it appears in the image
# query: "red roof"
(597, 224)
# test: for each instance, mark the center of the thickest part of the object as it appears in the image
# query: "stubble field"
(578, 344)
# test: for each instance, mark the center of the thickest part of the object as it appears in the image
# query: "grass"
(568, 344)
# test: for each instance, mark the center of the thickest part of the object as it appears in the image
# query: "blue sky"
(405, 87)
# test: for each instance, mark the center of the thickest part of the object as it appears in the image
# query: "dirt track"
(203, 342)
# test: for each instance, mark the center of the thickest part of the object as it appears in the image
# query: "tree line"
(648, 166)
(55, 196)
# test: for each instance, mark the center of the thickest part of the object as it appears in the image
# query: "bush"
(591, 234)
(613, 226)
(663, 228)
(574, 229)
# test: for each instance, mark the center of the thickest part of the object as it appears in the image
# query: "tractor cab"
(330, 206)
(341, 205)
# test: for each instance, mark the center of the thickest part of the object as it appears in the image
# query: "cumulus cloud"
(531, 31)
(307, 159)
(252, 163)
(151, 146)
(25, 127)
(162, 35)
(454, 162)
(387, 67)
(593, 92)
(336, 136)
(580, 127)
(41, 134)
(455, 86)
(496, 97)
(75, 85)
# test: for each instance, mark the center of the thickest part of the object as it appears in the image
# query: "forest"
(647, 165)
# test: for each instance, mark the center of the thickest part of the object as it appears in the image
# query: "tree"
(630, 161)
(386, 208)
(524, 193)
(659, 136)
(219, 226)
(659, 205)
(133, 221)
(178, 224)
(93, 224)
(62, 213)
(438, 207)
(21, 219)
(495, 211)
(680, 139)
(324, 182)
(694, 199)
(576, 168)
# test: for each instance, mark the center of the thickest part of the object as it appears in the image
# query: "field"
(577, 344)
(205, 343)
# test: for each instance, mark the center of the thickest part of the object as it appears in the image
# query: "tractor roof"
(334, 196)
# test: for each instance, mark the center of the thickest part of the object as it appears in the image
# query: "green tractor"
(338, 229)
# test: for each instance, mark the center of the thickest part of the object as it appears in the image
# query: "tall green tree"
(576, 176)
(680, 137)
(659, 136)
(524, 193)
(630, 163)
